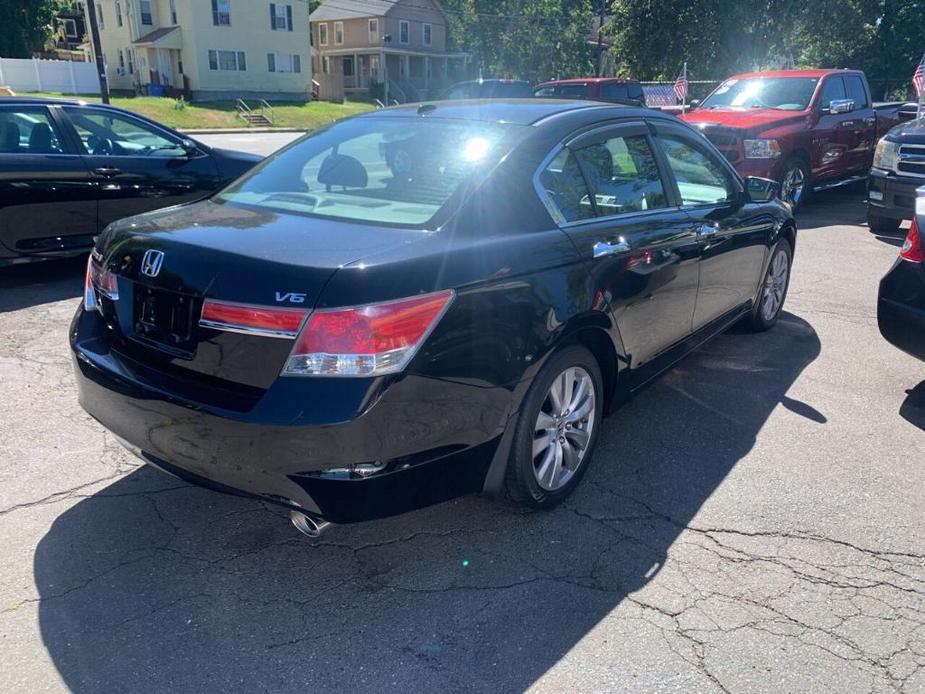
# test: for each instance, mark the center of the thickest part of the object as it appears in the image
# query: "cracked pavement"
(754, 521)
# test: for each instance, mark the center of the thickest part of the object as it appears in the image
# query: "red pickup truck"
(807, 129)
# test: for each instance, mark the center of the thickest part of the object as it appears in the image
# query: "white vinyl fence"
(34, 75)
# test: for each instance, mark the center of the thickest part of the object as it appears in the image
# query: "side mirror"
(190, 147)
(694, 104)
(761, 189)
(841, 106)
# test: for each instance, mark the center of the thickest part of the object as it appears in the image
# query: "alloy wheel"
(775, 284)
(792, 186)
(563, 428)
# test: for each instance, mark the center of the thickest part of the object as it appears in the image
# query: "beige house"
(207, 49)
(395, 47)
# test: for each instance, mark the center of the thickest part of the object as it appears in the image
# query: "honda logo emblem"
(151, 262)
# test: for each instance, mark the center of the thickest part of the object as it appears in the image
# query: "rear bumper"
(430, 439)
(892, 196)
(901, 308)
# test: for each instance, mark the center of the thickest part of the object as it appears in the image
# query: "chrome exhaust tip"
(312, 527)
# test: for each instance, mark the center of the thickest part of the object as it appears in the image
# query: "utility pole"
(98, 51)
(600, 39)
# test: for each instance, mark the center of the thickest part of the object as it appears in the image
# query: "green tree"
(25, 26)
(527, 39)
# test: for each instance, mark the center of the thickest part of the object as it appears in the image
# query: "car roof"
(590, 80)
(795, 73)
(516, 111)
(38, 100)
(492, 80)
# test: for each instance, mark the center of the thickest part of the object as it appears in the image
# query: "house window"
(173, 12)
(326, 65)
(227, 61)
(280, 17)
(146, 18)
(121, 60)
(221, 13)
(99, 17)
(322, 34)
(118, 13)
(404, 31)
(348, 66)
(179, 66)
(131, 61)
(374, 31)
(70, 29)
(427, 34)
(338, 33)
(283, 62)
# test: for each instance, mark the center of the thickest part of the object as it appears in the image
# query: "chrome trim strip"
(245, 330)
(541, 192)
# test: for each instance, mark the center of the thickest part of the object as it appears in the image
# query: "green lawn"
(222, 114)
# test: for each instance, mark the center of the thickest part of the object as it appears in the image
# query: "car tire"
(795, 171)
(541, 475)
(882, 225)
(773, 290)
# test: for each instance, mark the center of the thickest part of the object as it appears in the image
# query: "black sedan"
(351, 343)
(69, 168)
(901, 302)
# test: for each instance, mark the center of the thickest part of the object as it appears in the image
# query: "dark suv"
(899, 168)
(611, 89)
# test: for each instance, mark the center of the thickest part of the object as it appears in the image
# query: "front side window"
(404, 31)
(322, 34)
(227, 61)
(832, 90)
(701, 179)
(221, 12)
(103, 133)
(338, 33)
(427, 33)
(380, 170)
(622, 175)
(146, 18)
(856, 92)
(28, 131)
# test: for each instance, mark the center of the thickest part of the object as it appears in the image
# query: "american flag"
(918, 79)
(680, 84)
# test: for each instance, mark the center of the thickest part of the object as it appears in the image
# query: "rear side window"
(514, 90)
(622, 176)
(564, 189)
(28, 131)
(614, 90)
(856, 91)
(832, 90)
(382, 170)
(701, 179)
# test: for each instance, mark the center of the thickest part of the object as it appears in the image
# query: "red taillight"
(262, 320)
(912, 249)
(99, 282)
(366, 340)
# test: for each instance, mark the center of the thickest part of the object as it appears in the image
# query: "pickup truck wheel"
(881, 225)
(794, 182)
(557, 429)
(773, 290)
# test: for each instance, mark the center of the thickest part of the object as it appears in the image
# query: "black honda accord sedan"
(365, 325)
(69, 168)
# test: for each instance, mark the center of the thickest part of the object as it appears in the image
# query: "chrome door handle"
(706, 230)
(602, 248)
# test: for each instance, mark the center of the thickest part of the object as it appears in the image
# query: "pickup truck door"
(864, 130)
(833, 136)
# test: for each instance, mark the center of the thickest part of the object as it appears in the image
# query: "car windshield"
(382, 170)
(782, 93)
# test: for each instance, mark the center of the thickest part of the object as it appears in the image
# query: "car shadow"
(913, 407)
(838, 206)
(153, 585)
(32, 284)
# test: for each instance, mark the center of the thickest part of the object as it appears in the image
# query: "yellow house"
(207, 49)
(398, 44)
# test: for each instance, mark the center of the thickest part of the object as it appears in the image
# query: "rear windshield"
(379, 170)
(563, 91)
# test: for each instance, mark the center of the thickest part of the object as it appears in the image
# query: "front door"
(732, 236)
(48, 199)
(139, 166)
(833, 136)
(642, 250)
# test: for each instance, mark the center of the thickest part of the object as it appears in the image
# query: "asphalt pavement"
(752, 522)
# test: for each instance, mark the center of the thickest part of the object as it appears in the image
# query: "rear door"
(864, 128)
(733, 240)
(612, 201)
(47, 196)
(138, 165)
